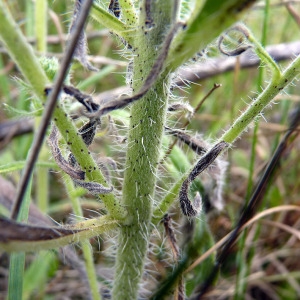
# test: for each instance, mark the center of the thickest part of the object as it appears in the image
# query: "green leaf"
(206, 24)
(17, 260)
(36, 275)
(116, 26)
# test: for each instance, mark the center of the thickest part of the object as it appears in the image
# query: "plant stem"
(21, 52)
(128, 12)
(108, 20)
(144, 144)
(29, 29)
(72, 234)
(41, 25)
(256, 107)
(86, 246)
(42, 188)
(85, 160)
(276, 85)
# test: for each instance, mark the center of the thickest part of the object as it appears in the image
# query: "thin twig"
(167, 222)
(293, 12)
(188, 121)
(50, 105)
(200, 71)
(282, 3)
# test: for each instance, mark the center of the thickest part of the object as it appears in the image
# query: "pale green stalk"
(85, 246)
(29, 29)
(19, 165)
(21, 52)
(77, 233)
(116, 26)
(168, 200)
(94, 79)
(4, 84)
(277, 83)
(41, 27)
(144, 145)
(88, 229)
(42, 188)
(256, 107)
(90, 269)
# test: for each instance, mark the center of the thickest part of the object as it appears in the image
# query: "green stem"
(116, 26)
(41, 17)
(21, 52)
(256, 107)
(144, 144)
(42, 188)
(128, 12)
(85, 160)
(29, 29)
(239, 126)
(86, 246)
(19, 165)
(261, 51)
(76, 233)
(94, 79)
(169, 199)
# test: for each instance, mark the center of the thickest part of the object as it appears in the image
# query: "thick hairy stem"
(144, 143)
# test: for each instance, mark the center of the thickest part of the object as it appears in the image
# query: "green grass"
(122, 231)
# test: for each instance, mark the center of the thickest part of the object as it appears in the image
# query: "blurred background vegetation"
(267, 258)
